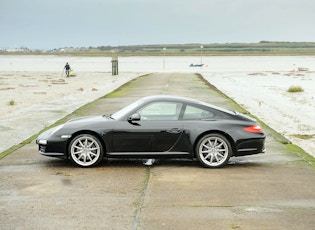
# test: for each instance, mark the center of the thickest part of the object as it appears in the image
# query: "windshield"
(121, 113)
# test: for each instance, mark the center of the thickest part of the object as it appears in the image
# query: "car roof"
(184, 100)
(171, 98)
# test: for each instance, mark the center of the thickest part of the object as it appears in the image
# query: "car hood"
(76, 124)
(94, 123)
(91, 122)
(89, 119)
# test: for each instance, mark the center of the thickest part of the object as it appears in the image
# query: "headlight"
(42, 142)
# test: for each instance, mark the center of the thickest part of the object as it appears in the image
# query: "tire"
(213, 151)
(86, 150)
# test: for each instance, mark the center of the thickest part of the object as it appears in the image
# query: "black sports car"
(156, 127)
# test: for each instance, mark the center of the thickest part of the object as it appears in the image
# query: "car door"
(157, 129)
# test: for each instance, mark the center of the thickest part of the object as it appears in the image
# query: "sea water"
(157, 64)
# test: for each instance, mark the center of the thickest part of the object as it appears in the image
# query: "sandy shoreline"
(265, 95)
(42, 97)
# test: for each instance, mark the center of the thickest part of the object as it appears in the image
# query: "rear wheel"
(86, 150)
(213, 150)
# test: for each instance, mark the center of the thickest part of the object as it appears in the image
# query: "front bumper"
(51, 144)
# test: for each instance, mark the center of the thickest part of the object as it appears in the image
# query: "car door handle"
(174, 130)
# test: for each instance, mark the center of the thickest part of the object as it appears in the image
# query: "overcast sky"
(49, 24)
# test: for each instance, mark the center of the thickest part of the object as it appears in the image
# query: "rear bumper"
(250, 147)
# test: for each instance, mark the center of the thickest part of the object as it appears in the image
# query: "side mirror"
(134, 117)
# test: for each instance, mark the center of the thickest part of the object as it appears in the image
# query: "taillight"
(253, 129)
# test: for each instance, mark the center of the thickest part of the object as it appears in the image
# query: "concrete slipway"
(275, 190)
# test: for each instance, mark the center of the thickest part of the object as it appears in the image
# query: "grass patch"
(11, 102)
(301, 153)
(122, 89)
(304, 136)
(295, 89)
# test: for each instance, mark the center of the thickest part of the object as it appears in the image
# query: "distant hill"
(214, 49)
(261, 48)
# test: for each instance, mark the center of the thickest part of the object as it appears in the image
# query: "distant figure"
(67, 67)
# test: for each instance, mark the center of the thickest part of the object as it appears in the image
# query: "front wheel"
(86, 150)
(213, 151)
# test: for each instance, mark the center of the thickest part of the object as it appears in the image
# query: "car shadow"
(140, 163)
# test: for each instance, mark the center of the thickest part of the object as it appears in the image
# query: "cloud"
(58, 23)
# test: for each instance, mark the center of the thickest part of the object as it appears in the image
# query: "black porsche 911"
(156, 127)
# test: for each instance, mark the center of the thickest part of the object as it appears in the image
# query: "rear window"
(196, 113)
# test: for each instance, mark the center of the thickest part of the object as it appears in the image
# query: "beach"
(265, 95)
(31, 101)
(35, 93)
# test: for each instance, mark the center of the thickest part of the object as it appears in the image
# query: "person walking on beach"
(67, 67)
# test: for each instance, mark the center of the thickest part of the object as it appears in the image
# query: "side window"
(161, 111)
(195, 113)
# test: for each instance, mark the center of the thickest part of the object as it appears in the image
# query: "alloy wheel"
(86, 150)
(213, 151)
